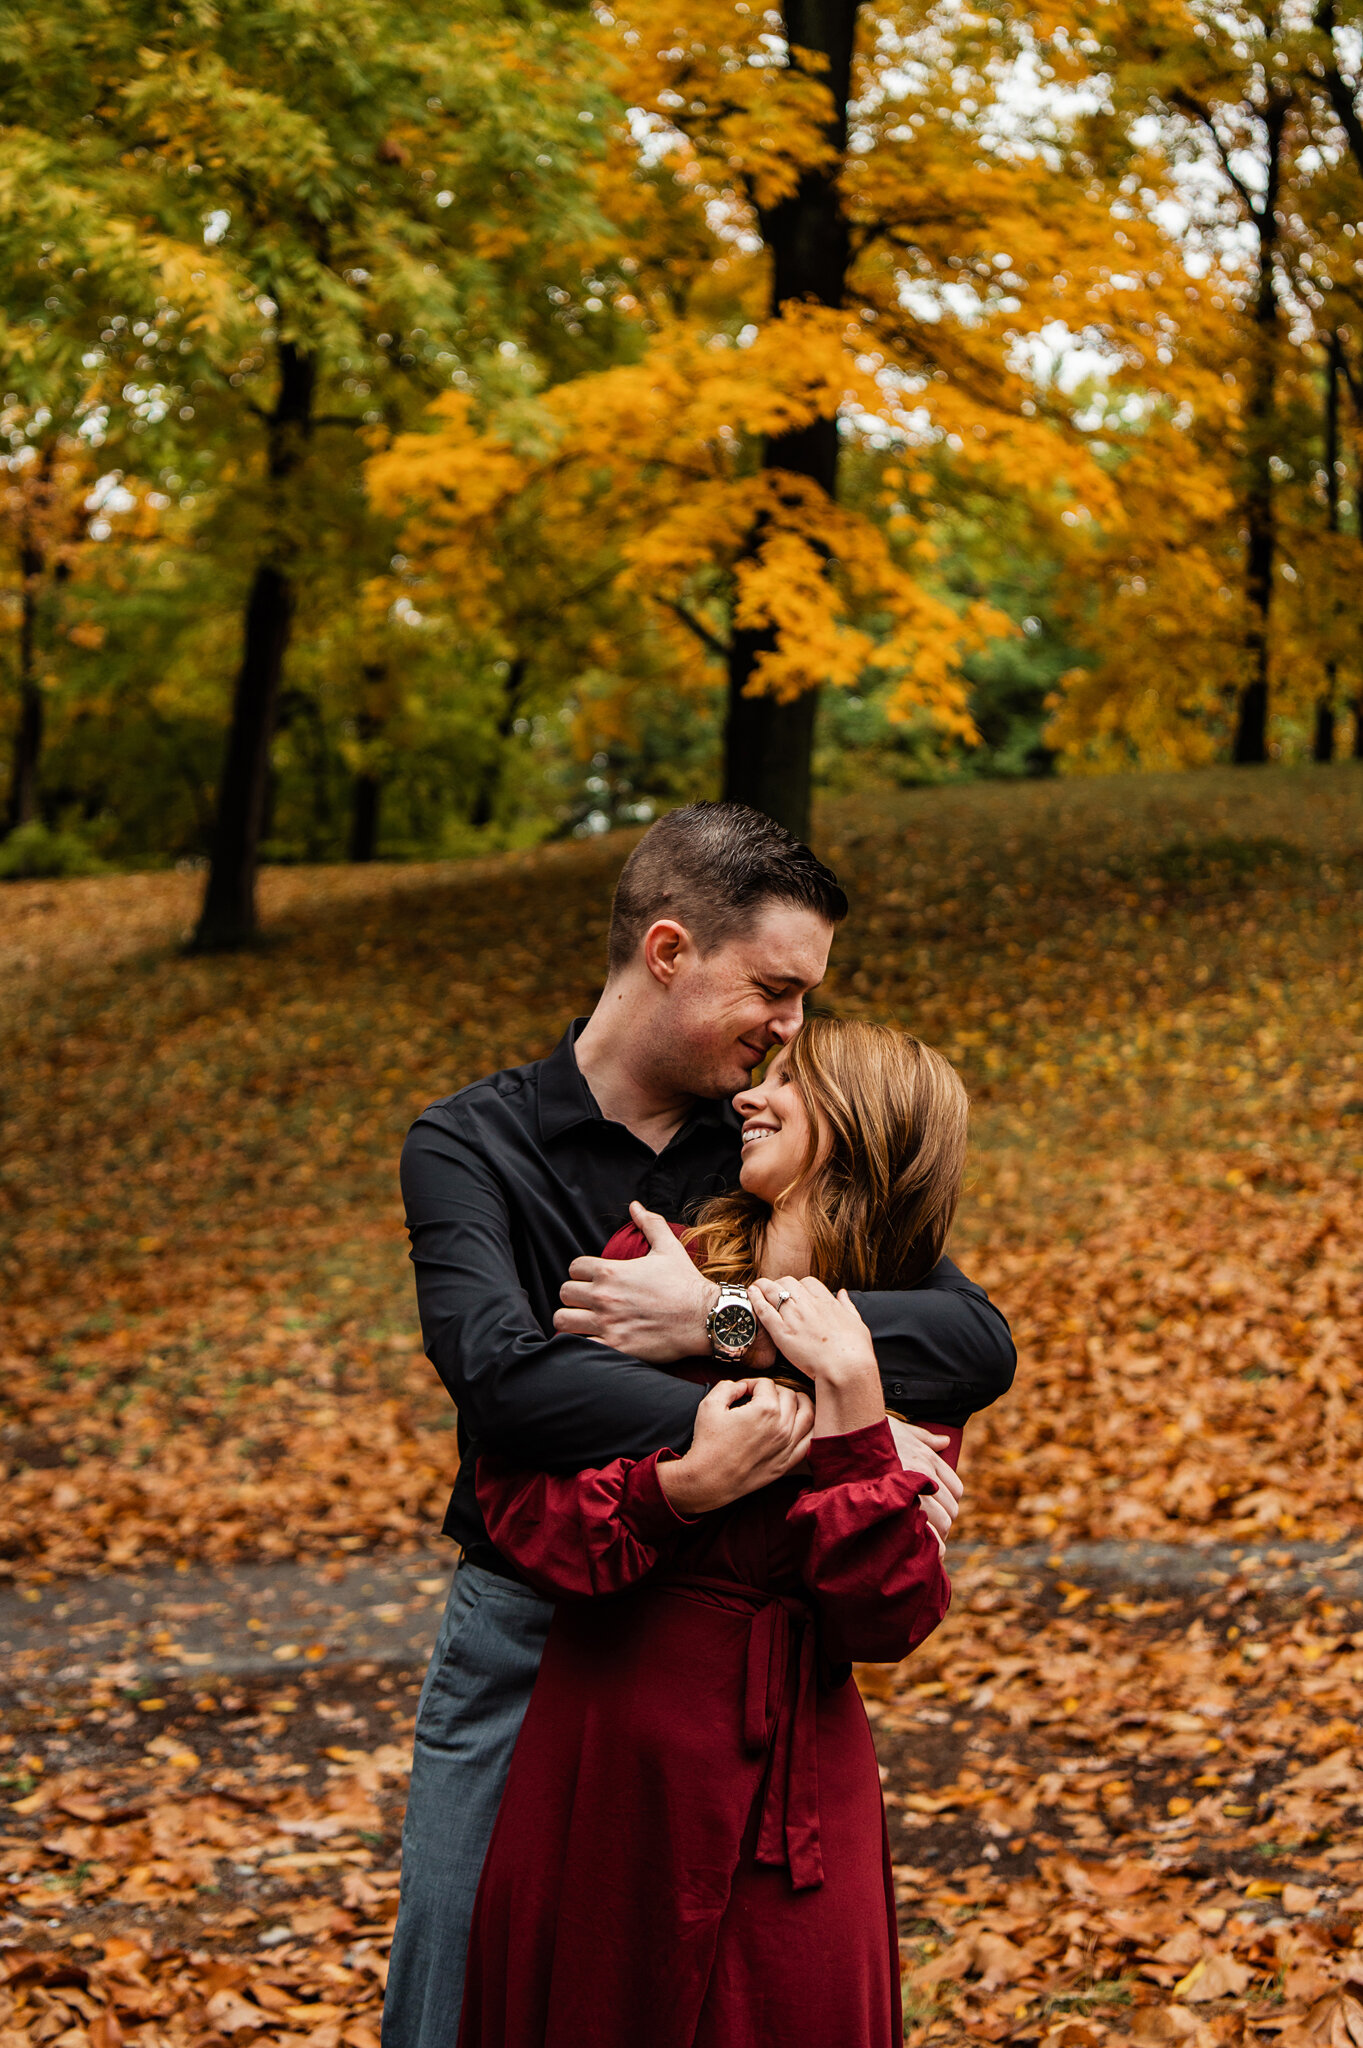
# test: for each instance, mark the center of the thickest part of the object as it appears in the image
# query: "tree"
(368, 181)
(1222, 587)
(833, 241)
(45, 481)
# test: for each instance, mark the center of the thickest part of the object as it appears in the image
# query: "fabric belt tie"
(780, 1716)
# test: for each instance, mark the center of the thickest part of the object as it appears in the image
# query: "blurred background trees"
(430, 428)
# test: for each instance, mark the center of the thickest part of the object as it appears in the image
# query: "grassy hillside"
(1152, 987)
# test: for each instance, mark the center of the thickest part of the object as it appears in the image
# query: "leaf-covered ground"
(1112, 1816)
(1111, 1819)
(1153, 986)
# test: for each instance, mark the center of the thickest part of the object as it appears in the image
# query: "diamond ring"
(783, 1297)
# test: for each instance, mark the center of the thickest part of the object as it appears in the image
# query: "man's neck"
(625, 1091)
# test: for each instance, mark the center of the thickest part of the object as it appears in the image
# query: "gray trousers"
(472, 1703)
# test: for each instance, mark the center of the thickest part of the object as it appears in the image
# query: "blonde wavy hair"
(882, 1176)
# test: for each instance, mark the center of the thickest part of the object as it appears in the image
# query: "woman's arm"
(867, 1551)
(581, 1534)
(588, 1533)
(823, 1335)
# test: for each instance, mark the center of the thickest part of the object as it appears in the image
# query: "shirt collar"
(566, 1100)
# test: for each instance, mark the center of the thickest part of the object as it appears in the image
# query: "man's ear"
(666, 944)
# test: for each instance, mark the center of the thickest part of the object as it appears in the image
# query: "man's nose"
(786, 1022)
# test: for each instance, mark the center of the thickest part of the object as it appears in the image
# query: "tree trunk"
(28, 740)
(228, 918)
(490, 786)
(367, 790)
(364, 816)
(1323, 739)
(1338, 88)
(768, 747)
(1251, 732)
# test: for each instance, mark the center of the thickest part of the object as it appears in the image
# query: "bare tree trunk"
(228, 918)
(1323, 739)
(490, 786)
(367, 789)
(28, 740)
(1251, 732)
(768, 747)
(365, 795)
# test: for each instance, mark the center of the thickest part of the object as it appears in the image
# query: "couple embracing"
(711, 1368)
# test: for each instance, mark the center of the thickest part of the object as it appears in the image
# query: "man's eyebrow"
(788, 980)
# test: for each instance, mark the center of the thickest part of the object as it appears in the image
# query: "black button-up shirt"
(508, 1181)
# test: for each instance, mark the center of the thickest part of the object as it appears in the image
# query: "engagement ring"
(783, 1297)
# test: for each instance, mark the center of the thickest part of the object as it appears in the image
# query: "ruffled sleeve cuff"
(647, 1509)
(859, 1454)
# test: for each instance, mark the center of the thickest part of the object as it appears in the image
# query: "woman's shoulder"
(629, 1241)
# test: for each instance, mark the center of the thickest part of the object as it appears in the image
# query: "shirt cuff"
(868, 1453)
(647, 1508)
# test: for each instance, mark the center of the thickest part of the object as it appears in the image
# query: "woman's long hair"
(888, 1115)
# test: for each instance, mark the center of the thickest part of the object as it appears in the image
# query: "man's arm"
(559, 1402)
(944, 1350)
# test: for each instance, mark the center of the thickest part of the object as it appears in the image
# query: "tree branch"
(1352, 379)
(699, 628)
(1186, 104)
(1341, 93)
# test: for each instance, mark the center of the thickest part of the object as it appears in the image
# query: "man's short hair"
(712, 867)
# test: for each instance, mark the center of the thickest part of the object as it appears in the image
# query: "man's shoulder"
(946, 1277)
(479, 1102)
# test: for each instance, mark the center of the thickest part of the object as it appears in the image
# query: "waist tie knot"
(780, 1716)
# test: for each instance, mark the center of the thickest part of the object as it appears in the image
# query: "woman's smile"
(775, 1134)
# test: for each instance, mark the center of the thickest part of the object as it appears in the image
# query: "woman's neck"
(785, 1245)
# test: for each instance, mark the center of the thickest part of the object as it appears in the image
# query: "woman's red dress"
(691, 1847)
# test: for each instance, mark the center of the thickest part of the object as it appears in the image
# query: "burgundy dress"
(691, 1847)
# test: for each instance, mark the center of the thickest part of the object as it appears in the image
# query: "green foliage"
(36, 853)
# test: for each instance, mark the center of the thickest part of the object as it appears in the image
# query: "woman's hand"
(823, 1335)
(918, 1452)
(748, 1432)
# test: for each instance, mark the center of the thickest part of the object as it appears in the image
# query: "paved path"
(166, 1624)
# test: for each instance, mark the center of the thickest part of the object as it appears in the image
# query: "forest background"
(429, 430)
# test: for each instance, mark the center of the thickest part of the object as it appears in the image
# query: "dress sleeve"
(867, 1551)
(581, 1534)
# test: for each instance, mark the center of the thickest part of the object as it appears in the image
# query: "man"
(721, 926)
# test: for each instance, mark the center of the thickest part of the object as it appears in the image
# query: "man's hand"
(918, 1452)
(652, 1308)
(748, 1432)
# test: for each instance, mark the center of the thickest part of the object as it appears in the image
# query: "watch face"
(735, 1325)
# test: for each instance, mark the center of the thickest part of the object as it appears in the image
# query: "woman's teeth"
(750, 1137)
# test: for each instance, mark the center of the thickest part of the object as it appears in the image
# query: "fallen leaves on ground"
(238, 1875)
(208, 1342)
(1134, 1820)
(1140, 1823)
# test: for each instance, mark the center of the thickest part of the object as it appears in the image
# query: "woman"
(691, 1847)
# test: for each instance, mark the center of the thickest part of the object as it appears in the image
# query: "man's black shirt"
(509, 1181)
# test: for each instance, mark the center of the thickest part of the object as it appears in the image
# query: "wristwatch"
(731, 1324)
